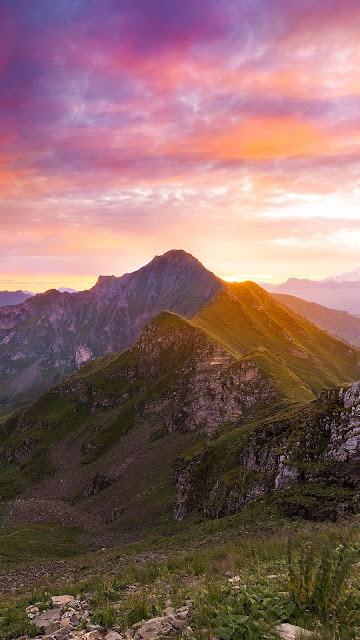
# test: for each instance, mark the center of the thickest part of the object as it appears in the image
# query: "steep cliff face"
(310, 460)
(50, 335)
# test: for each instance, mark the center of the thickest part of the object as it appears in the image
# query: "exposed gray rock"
(49, 620)
(319, 444)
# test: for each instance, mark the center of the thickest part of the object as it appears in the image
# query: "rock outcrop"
(310, 458)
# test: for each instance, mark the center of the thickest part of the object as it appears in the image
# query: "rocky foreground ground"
(70, 618)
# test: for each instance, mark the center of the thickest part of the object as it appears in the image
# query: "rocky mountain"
(336, 293)
(50, 335)
(341, 324)
(105, 441)
(13, 297)
(309, 458)
(178, 424)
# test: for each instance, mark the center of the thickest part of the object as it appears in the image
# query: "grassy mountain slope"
(101, 446)
(339, 323)
(243, 317)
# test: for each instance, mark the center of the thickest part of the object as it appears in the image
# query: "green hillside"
(244, 317)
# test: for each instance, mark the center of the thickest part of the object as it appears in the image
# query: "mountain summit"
(50, 335)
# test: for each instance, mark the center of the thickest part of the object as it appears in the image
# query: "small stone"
(182, 615)
(291, 632)
(113, 635)
(94, 635)
(179, 624)
(160, 626)
(137, 625)
(169, 611)
(61, 634)
(32, 610)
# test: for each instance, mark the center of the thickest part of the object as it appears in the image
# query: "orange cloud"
(258, 139)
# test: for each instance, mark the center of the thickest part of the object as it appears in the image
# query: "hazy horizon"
(59, 282)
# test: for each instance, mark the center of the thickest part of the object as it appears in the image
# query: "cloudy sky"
(228, 128)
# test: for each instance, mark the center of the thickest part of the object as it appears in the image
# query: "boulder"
(162, 626)
(49, 621)
(291, 632)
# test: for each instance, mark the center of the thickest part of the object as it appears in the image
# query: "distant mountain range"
(340, 292)
(67, 290)
(13, 297)
(8, 298)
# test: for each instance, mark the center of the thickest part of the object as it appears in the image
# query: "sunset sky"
(230, 129)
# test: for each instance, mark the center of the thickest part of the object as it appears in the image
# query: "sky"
(131, 127)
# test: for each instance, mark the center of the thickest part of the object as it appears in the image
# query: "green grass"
(35, 543)
(196, 566)
(246, 317)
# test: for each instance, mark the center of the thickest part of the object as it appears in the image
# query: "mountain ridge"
(174, 425)
(176, 387)
(341, 324)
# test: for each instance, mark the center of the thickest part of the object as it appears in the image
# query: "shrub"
(104, 617)
(319, 581)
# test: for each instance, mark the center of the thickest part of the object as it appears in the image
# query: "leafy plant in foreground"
(252, 615)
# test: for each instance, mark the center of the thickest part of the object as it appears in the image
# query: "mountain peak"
(349, 276)
(177, 255)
